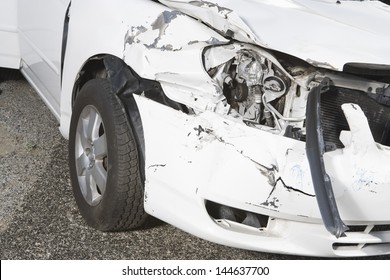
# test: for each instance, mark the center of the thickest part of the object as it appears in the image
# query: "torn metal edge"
(315, 149)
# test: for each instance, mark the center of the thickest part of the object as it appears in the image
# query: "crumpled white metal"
(325, 33)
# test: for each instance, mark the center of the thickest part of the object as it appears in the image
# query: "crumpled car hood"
(325, 33)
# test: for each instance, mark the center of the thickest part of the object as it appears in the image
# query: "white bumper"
(191, 159)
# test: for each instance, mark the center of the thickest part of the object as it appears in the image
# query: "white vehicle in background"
(257, 124)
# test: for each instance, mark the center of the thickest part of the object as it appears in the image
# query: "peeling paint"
(163, 21)
(161, 24)
(167, 47)
(156, 166)
(214, 41)
(265, 207)
(269, 172)
(206, 4)
(146, 195)
(193, 42)
(274, 202)
(131, 35)
(200, 129)
(222, 19)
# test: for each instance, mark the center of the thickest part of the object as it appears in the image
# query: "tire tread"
(127, 202)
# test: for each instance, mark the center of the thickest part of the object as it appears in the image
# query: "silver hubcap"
(91, 155)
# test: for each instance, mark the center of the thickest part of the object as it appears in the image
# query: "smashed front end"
(271, 153)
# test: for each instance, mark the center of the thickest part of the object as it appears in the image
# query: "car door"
(41, 26)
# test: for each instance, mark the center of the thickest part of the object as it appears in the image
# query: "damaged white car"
(257, 124)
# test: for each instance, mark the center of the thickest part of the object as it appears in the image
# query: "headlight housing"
(255, 85)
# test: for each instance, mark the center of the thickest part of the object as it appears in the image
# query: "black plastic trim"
(315, 149)
(367, 69)
(65, 38)
(125, 83)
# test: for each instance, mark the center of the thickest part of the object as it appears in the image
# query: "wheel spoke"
(92, 127)
(99, 175)
(92, 193)
(82, 135)
(88, 187)
(82, 164)
(100, 146)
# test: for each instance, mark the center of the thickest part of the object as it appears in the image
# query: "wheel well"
(92, 69)
(125, 83)
(123, 79)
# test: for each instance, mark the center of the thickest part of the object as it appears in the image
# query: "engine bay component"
(250, 79)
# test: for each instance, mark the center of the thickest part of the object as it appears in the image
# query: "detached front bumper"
(191, 160)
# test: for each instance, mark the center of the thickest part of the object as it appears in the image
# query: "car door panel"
(41, 25)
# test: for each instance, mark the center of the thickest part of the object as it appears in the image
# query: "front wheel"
(103, 161)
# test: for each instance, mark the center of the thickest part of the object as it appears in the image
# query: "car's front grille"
(351, 249)
(334, 121)
(363, 238)
(365, 228)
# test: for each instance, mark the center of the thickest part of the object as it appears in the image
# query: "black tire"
(116, 204)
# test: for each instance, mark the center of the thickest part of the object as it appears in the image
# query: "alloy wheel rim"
(91, 155)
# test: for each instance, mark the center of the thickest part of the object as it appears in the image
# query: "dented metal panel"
(177, 65)
(218, 17)
(312, 30)
(221, 160)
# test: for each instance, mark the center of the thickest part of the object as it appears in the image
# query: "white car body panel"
(92, 32)
(211, 154)
(9, 40)
(323, 33)
(40, 46)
